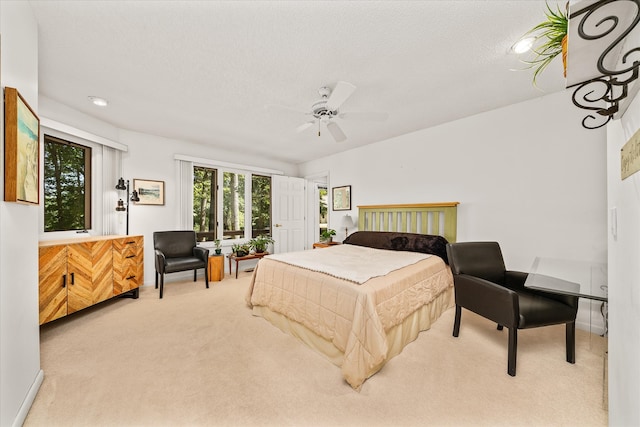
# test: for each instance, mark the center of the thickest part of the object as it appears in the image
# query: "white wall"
(53, 110)
(19, 331)
(528, 176)
(152, 157)
(624, 277)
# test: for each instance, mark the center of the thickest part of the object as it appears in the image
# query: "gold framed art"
(21, 150)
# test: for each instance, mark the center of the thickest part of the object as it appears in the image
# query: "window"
(233, 202)
(67, 185)
(204, 203)
(324, 208)
(241, 193)
(260, 205)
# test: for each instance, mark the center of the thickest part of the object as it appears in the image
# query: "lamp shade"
(121, 185)
(346, 222)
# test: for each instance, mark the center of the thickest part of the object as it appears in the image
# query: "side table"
(216, 268)
(237, 259)
(324, 244)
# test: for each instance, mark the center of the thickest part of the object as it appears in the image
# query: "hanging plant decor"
(549, 40)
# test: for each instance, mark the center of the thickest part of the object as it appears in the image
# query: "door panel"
(52, 272)
(102, 271)
(288, 213)
(90, 266)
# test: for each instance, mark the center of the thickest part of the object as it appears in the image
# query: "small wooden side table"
(216, 268)
(237, 259)
(324, 244)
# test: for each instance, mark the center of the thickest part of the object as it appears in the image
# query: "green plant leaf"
(547, 37)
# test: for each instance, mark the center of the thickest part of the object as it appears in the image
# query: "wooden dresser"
(78, 273)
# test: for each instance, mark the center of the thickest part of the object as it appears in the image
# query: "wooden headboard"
(422, 218)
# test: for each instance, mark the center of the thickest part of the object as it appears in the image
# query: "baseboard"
(21, 416)
(589, 327)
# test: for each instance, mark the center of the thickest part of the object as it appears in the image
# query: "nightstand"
(216, 268)
(324, 244)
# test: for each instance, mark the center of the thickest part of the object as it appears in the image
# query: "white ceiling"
(204, 71)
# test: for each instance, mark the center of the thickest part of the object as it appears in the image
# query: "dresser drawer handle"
(131, 277)
(130, 256)
(131, 242)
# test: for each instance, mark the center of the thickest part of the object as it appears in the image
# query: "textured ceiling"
(204, 71)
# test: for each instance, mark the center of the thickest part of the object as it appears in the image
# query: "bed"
(360, 303)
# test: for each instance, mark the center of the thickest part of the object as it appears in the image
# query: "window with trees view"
(204, 202)
(260, 205)
(67, 185)
(233, 203)
(238, 189)
(324, 208)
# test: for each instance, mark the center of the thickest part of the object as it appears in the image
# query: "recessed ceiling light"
(523, 45)
(100, 102)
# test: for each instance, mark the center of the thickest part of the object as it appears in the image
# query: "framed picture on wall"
(150, 192)
(21, 150)
(341, 197)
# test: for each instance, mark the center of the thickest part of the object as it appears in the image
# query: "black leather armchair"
(484, 286)
(177, 251)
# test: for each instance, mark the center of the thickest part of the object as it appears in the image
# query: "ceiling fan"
(326, 109)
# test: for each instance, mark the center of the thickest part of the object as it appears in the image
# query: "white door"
(314, 184)
(288, 213)
(313, 214)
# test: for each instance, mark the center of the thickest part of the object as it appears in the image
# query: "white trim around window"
(105, 168)
(87, 136)
(227, 165)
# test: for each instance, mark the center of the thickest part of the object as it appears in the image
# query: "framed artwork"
(21, 150)
(630, 156)
(150, 192)
(341, 197)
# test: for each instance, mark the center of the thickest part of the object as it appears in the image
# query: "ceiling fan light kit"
(326, 110)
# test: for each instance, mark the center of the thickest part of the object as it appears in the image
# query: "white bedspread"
(350, 262)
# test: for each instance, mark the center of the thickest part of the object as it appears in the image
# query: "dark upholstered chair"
(177, 251)
(484, 286)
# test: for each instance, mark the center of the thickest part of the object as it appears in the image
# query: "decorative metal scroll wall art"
(612, 86)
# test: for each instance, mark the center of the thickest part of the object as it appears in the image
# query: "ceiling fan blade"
(341, 93)
(336, 132)
(305, 126)
(374, 116)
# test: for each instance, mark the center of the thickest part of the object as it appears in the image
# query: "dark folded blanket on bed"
(424, 243)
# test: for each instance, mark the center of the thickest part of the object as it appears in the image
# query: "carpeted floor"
(198, 357)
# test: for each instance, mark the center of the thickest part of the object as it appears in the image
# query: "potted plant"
(218, 247)
(241, 249)
(548, 40)
(327, 235)
(260, 243)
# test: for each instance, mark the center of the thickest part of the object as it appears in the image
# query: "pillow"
(389, 240)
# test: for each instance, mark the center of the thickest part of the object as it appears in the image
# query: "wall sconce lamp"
(346, 223)
(121, 207)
